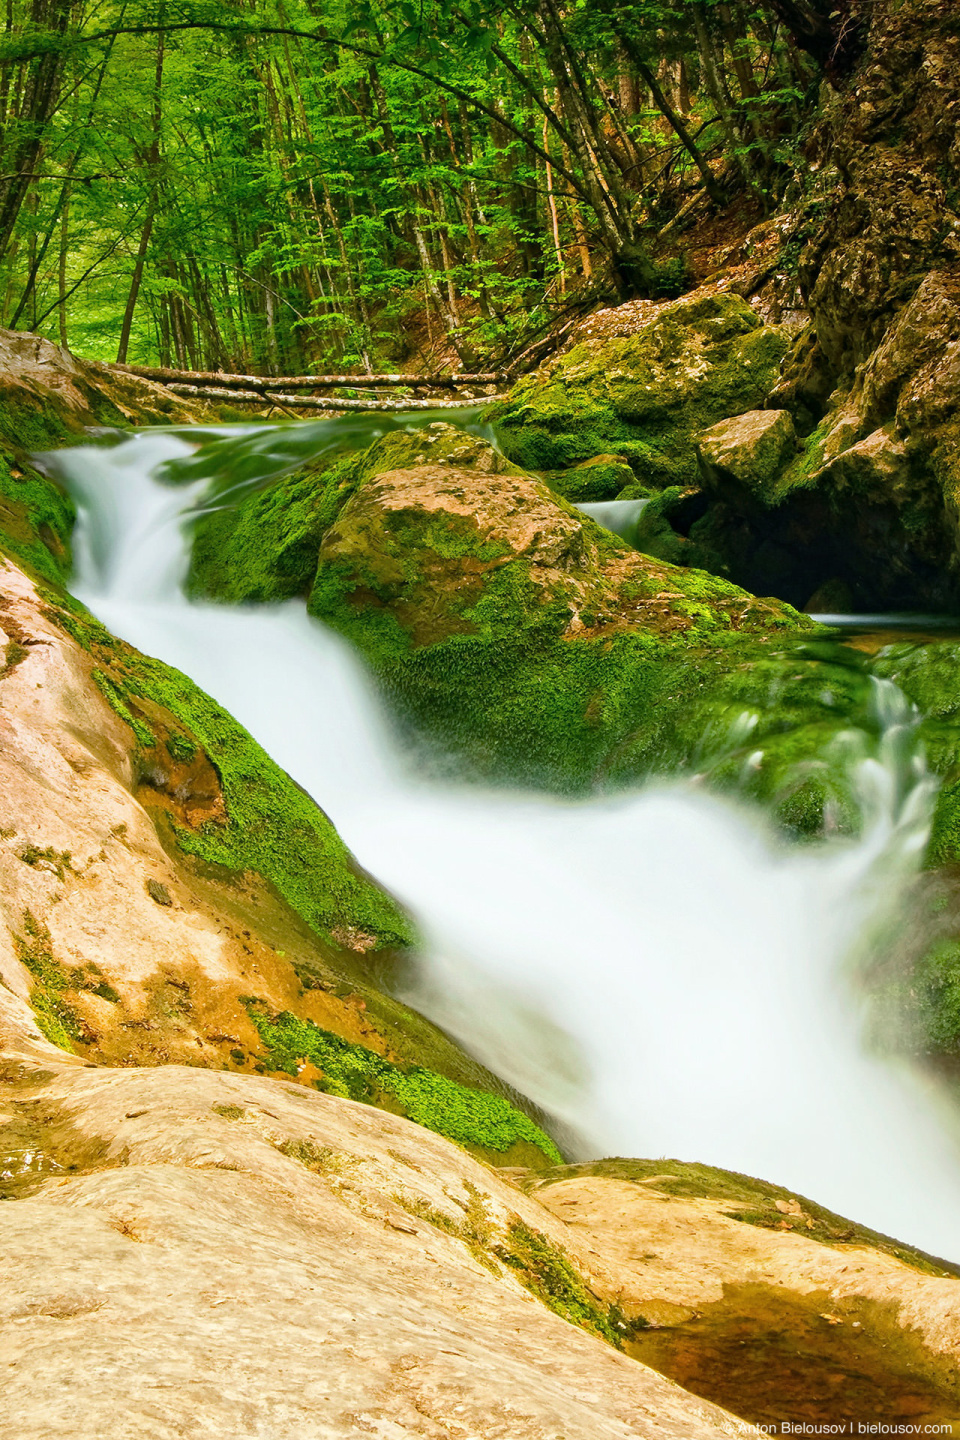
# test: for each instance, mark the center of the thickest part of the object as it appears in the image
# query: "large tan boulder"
(211, 1255)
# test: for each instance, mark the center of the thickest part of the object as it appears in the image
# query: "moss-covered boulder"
(645, 396)
(605, 477)
(506, 627)
(265, 548)
(747, 453)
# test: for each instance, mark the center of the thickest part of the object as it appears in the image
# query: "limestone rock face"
(688, 364)
(685, 1260)
(887, 161)
(177, 1243)
(45, 390)
(873, 384)
(749, 450)
(244, 1257)
(124, 944)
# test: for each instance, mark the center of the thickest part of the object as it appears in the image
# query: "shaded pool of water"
(773, 1356)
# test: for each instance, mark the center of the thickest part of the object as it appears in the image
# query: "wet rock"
(285, 1263)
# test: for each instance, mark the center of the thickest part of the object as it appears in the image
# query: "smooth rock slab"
(202, 1282)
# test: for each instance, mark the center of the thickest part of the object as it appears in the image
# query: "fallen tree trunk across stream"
(302, 382)
(310, 402)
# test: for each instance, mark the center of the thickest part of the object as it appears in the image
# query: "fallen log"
(309, 402)
(304, 382)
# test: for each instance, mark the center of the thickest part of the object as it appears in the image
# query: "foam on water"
(657, 969)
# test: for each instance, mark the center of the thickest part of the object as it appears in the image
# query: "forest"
(299, 185)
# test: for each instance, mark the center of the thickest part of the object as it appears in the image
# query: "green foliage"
(301, 187)
(55, 1018)
(469, 1117)
(270, 825)
(548, 1273)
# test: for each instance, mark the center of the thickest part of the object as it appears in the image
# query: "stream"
(659, 970)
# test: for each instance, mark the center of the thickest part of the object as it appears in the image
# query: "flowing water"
(620, 516)
(656, 969)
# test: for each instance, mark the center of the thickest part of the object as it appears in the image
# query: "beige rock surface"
(78, 849)
(193, 1279)
(670, 1255)
(37, 375)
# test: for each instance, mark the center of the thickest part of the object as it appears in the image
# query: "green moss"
(36, 520)
(645, 396)
(113, 694)
(752, 1201)
(927, 675)
(548, 1273)
(265, 547)
(229, 1112)
(602, 478)
(469, 1117)
(803, 472)
(514, 698)
(55, 1018)
(271, 826)
(57, 861)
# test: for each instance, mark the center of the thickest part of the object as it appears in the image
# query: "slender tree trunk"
(62, 269)
(554, 219)
(152, 165)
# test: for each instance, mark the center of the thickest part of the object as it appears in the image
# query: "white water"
(655, 969)
(620, 516)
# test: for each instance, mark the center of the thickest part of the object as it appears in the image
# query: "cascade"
(657, 969)
(620, 516)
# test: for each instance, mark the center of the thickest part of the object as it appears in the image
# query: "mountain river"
(657, 969)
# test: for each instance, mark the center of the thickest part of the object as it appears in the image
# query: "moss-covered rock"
(645, 396)
(36, 519)
(265, 548)
(605, 477)
(509, 629)
(246, 812)
(927, 675)
(481, 1121)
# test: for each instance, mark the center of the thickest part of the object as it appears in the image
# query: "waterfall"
(620, 516)
(658, 969)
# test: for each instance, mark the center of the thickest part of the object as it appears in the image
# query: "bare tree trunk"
(62, 270)
(152, 159)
